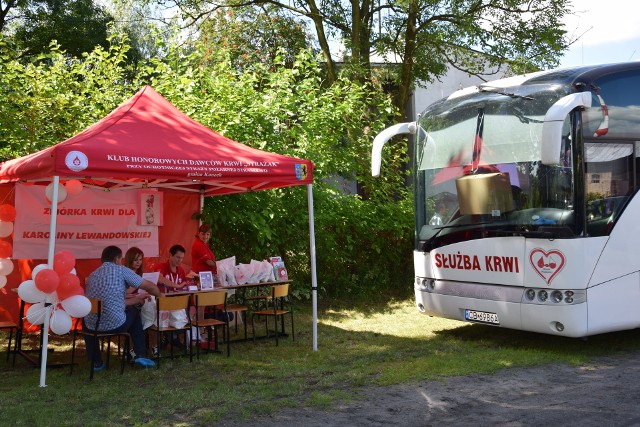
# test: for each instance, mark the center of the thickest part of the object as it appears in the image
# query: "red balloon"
(70, 292)
(47, 280)
(69, 286)
(6, 249)
(7, 213)
(63, 262)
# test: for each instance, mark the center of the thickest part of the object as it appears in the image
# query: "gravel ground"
(604, 392)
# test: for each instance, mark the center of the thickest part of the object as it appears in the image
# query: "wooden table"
(243, 288)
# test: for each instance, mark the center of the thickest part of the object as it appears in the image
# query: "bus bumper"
(568, 320)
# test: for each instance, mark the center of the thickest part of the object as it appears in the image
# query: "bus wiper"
(500, 92)
(473, 224)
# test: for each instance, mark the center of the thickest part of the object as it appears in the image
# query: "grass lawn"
(360, 346)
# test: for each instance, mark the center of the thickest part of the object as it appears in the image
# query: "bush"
(362, 248)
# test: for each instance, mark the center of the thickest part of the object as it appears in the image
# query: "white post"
(314, 280)
(47, 302)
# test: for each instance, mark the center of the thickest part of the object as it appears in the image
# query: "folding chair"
(171, 303)
(213, 299)
(11, 327)
(279, 296)
(96, 308)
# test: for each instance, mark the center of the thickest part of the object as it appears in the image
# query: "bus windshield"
(478, 170)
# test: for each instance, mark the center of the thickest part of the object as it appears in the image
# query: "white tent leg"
(314, 280)
(47, 302)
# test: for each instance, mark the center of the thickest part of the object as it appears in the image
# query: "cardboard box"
(484, 194)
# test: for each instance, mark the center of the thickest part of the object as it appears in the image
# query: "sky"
(610, 32)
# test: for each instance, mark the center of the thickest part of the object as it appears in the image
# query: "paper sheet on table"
(152, 277)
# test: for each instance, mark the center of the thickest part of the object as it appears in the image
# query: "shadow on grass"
(359, 347)
(609, 343)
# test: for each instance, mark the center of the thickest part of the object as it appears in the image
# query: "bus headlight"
(543, 295)
(553, 296)
(427, 285)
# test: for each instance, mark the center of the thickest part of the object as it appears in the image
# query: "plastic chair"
(96, 308)
(213, 299)
(11, 327)
(279, 296)
(171, 303)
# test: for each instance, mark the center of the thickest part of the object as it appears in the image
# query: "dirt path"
(605, 392)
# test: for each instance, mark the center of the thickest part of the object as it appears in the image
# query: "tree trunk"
(322, 40)
(406, 76)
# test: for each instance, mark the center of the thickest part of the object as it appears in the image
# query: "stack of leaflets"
(279, 270)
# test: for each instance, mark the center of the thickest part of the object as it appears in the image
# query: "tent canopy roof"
(148, 143)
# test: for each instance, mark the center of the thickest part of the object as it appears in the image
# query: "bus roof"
(572, 76)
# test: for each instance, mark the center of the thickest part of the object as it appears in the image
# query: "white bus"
(526, 211)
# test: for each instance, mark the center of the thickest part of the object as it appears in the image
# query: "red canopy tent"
(148, 143)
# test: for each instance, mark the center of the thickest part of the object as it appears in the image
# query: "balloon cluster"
(7, 216)
(62, 287)
(71, 187)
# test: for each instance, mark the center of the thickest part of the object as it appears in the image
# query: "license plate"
(481, 317)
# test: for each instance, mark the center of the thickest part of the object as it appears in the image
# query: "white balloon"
(28, 292)
(60, 322)
(37, 269)
(36, 313)
(6, 228)
(77, 305)
(3, 281)
(6, 267)
(62, 192)
(73, 271)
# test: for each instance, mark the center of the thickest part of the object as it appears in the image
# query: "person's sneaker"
(99, 367)
(154, 352)
(131, 356)
(144, 362)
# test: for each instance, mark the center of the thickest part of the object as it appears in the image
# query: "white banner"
(86, 223)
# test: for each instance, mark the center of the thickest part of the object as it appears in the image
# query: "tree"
(76, 25)
(252, 35)
(274, 107)
(7, 9)
(423, 37)
(45, 102)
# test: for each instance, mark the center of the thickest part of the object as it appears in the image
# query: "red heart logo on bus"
(547, 264)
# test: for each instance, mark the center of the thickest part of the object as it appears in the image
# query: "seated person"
(109, 283)
(172, 275)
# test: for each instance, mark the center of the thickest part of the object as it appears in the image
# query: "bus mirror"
(382, 138)
(552, 126)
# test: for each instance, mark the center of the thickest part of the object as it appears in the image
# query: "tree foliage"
(255, 35)
(46, 101)
(422, 38)
(274, 107)
(76, 25)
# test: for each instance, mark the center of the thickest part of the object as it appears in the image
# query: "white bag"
(256, 271)
(148, 315)
(177, 318)
(226, 271)
(243, 273)
(266, 272)
(148, 312)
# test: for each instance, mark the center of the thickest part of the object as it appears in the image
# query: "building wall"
(445, 86)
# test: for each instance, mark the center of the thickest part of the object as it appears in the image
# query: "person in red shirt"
(202, 257)
(172, 275)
